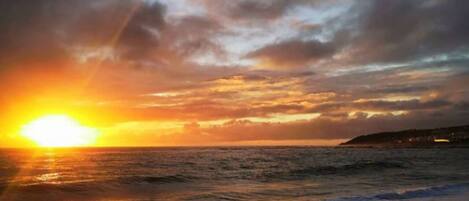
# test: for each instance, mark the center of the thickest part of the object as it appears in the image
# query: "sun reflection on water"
(48, 177)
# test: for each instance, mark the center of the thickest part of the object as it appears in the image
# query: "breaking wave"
(429, 192)
(98, 185)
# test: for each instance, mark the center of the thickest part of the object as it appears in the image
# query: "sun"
(58, 131)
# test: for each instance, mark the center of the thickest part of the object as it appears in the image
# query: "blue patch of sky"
(319, 18)
(435, 63)
(180, 8)
(241, 40)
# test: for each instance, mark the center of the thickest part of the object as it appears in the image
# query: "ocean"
(235, 173)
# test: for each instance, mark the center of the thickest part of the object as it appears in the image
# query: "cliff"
(458, 135)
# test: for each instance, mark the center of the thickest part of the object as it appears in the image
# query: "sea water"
(235, 173)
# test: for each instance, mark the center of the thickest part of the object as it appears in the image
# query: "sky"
(206, 72)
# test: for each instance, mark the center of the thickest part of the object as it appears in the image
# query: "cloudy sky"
(206, 72)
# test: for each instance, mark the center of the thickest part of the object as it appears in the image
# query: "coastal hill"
(458, 135)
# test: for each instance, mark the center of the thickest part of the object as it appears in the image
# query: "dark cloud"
(259, 13)
(399, 89)
(380, 32)
(253, 9)
(293, 53)
(45, 37)
(136, 37)
(131, 28)
(19, 21)
(396, 31)
(192, 36)
(401, 105)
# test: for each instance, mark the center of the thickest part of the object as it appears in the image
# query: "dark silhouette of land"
(450, 136)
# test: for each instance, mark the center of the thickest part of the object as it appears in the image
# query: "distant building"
(441, 140)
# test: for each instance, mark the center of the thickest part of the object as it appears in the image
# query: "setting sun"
(58, 131)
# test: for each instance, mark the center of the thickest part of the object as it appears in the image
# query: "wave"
(422, 193)
(349, 168)
(104, 185)
(156, 179)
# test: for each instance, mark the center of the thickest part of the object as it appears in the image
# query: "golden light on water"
(59, 131)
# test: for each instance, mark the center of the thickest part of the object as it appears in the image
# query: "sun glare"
(58, 131)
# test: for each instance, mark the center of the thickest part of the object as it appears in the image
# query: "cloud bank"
(201, 72)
